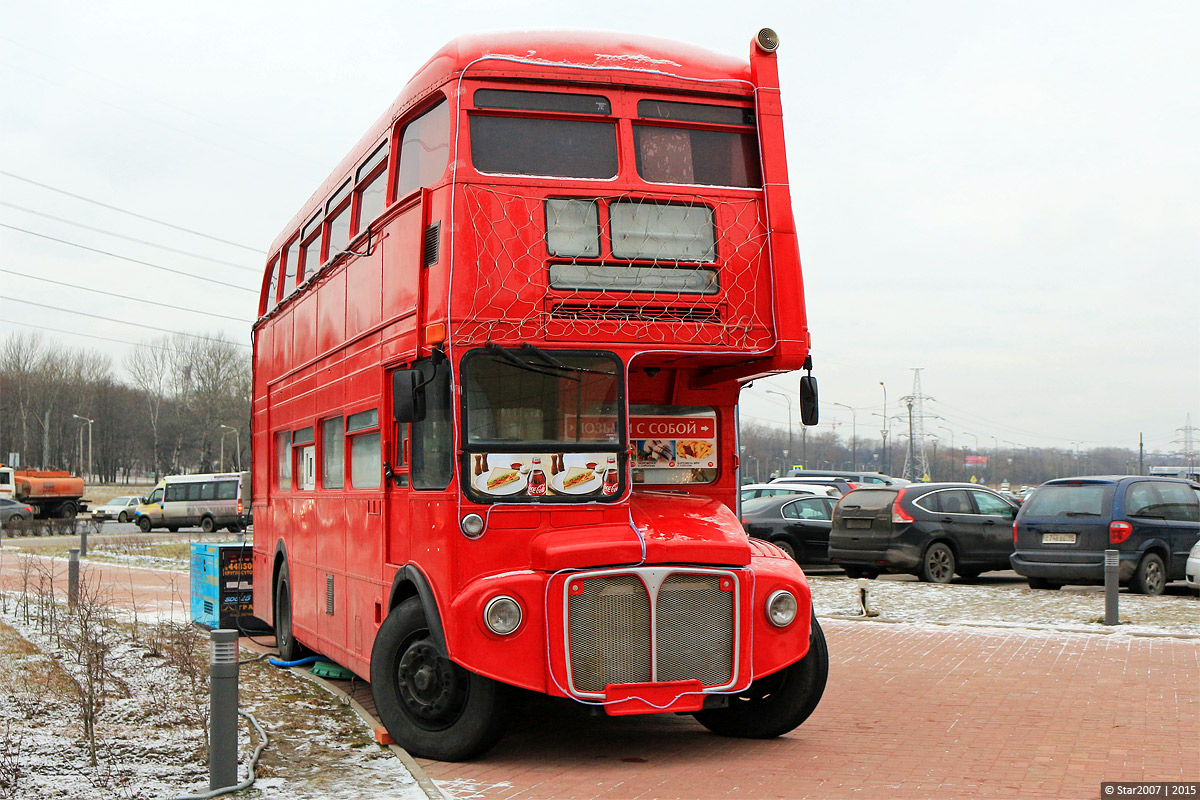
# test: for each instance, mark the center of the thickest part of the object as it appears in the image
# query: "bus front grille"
(614, 637)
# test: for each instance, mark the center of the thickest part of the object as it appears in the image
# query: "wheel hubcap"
(939, 564)
(432, 688)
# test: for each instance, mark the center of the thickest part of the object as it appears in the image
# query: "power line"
(121, 321)
(123, 297)
(130, 213)
(129, 238)
(131, 260)
(83, 335)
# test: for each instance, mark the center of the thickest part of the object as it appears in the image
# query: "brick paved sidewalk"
(911, 711)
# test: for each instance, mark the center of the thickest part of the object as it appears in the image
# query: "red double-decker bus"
(496, 376)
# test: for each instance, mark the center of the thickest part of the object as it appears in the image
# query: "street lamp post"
(884, 432)
(89, 424)
(853, 434)
(788, 398)
(237, 440)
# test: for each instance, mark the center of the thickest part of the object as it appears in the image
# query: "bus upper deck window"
(696, 156)
(424, 150)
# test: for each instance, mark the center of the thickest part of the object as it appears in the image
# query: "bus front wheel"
(776, 703)
(431, 706)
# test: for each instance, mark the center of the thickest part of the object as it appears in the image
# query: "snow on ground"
(1006, 604)
(150, 727)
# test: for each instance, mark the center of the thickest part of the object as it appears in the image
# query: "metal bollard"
(73, 578)
(223, 708)
(83, 540)
(1112, 578)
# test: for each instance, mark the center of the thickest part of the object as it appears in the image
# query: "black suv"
(932, 530)
(1067, 524)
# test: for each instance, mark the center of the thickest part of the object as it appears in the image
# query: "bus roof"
(602, 52)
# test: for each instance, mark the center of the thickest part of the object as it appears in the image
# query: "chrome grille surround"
(651, 624)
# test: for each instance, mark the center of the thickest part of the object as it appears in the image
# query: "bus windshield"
(515, 396)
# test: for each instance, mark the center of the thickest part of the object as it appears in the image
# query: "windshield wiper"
(519, 364)
(554, 362)
(1081, 514)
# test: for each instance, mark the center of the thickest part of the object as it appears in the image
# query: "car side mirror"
(809, 410)
(408, 395)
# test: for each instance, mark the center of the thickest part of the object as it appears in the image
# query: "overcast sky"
(1005, 194)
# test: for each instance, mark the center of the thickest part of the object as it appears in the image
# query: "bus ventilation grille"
(592, 311)
(611, 631)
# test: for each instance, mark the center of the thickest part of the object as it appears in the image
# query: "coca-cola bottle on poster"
(537, 478)
(610, 476)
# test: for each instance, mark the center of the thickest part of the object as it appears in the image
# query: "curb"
(999, 626)
(426, 783)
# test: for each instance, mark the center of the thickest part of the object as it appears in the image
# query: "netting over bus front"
(676, 269)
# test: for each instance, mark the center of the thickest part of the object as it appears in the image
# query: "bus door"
(398, 486)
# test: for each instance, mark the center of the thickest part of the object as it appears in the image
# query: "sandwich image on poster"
(501, 481)
(577, 480)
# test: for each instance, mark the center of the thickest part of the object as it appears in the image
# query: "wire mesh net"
(680, 269)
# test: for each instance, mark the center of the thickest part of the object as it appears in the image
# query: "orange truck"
(51, 494)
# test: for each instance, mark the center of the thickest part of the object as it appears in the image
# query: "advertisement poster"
(674, 442)
(544, 475)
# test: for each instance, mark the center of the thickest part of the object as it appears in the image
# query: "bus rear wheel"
(431, 706)
(285, 637)
(208, 525)
(776, 703)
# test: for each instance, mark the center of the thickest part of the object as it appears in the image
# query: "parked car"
(1192, 568)
(798, 524)
(861, 478)
(119, 508)
(753, 490)
(14, 511)
(841, 484)
(931, 530)
(1064, 528)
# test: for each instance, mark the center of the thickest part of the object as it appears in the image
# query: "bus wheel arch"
(411, 582)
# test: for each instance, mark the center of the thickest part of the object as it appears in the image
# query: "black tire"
(937, 565)
(776, 703)
(431, 706)
(786, 547)
(15, 518)
(144, 524)
(235, 529)
(123, 517)
(208, 525)
(173, 528)
(67, 511)
(1042, 583)
(285, 638)
(1150, 577)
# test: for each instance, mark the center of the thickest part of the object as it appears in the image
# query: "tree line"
(161, 413)
(767, 452)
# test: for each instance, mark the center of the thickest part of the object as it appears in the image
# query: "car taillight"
(1118, 532)
(899, 515)
(239, 505)
(1014, 531)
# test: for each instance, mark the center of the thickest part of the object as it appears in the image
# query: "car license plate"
(1058, 538)
(858, 523)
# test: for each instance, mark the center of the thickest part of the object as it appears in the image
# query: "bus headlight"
(781, 608)
(502, 615)
(472, 526)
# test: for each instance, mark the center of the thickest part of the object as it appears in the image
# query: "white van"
(211, 501)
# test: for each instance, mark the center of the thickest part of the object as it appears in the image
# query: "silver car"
(119, 508)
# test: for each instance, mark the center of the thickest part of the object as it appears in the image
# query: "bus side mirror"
(809, 412)
(408, 395)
